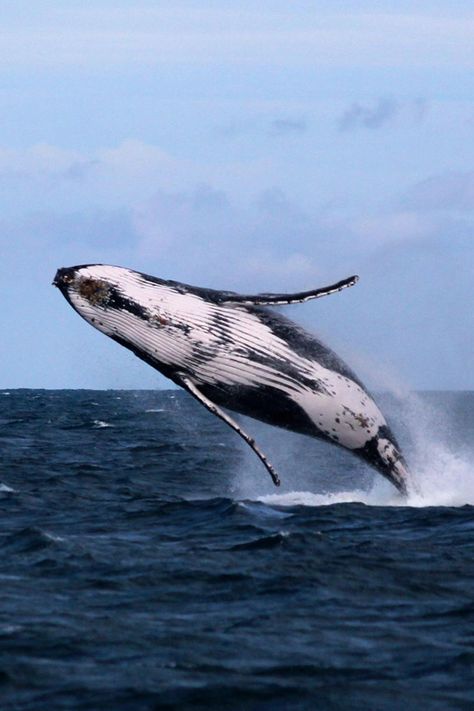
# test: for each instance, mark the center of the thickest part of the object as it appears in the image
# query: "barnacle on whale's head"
(95, 291)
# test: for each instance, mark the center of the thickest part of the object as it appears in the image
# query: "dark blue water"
(147, 563)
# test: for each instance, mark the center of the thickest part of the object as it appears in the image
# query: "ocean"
(148, 562)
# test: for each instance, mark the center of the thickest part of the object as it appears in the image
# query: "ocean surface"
(148, 562)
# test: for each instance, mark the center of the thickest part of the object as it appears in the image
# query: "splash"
(441, 463)
(440, 460)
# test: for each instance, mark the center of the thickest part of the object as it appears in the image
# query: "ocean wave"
(30, 540)
(263, 542)
(149, 564)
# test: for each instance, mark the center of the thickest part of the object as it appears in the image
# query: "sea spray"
(440, 463)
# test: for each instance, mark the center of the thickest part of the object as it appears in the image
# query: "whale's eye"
(94, 290)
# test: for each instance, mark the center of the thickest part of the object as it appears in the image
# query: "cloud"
(204, 236)
(449, 191)
(296, 266)
(109, 36)
(382, 112)
(78, 171)
(357, 115)
(392, 227)
(132, 157)
(40, 242)
(36, 177)
(40, 160)
(93, 228)
(184, 218)
(265, 244)
(270, 243)
(283, 127)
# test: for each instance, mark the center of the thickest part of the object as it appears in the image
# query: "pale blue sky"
(239, 145)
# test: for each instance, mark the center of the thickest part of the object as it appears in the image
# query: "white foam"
(451, 485)
(99, 424)
(441, 475)
(444, 478)
(10, 629)
(52, 537)
(307, 498)
(4, 489)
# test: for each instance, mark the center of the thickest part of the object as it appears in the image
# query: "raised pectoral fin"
(281, 299)
(190, 386)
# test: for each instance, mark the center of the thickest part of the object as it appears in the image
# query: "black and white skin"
(229, 351)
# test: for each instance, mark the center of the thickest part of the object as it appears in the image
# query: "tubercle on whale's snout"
(64, 277)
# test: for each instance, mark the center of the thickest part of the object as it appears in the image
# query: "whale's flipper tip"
(188, 384)
(284, 299)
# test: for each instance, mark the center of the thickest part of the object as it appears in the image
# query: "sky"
(249, 146)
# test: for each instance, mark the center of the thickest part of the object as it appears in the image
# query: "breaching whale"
(229, 350)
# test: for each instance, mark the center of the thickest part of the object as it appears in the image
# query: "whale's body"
(228, 350)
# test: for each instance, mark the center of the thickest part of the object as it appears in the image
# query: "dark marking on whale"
(230, 351)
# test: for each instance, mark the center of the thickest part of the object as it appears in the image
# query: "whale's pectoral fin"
(186, 382)
(280, 299)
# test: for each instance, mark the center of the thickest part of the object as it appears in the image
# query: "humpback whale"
(231, 351)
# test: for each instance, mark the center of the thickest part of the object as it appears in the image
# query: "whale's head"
(119, 302)
(85, 286)
(100, 293)
(125, 305)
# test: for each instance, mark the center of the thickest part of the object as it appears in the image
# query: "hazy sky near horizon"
(267, 147)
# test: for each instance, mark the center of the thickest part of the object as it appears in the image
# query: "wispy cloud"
(358, 115)
(204, 232)
(385, 110)
(41, 159)
(118, 175)
(280, 36)
(175, 215)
